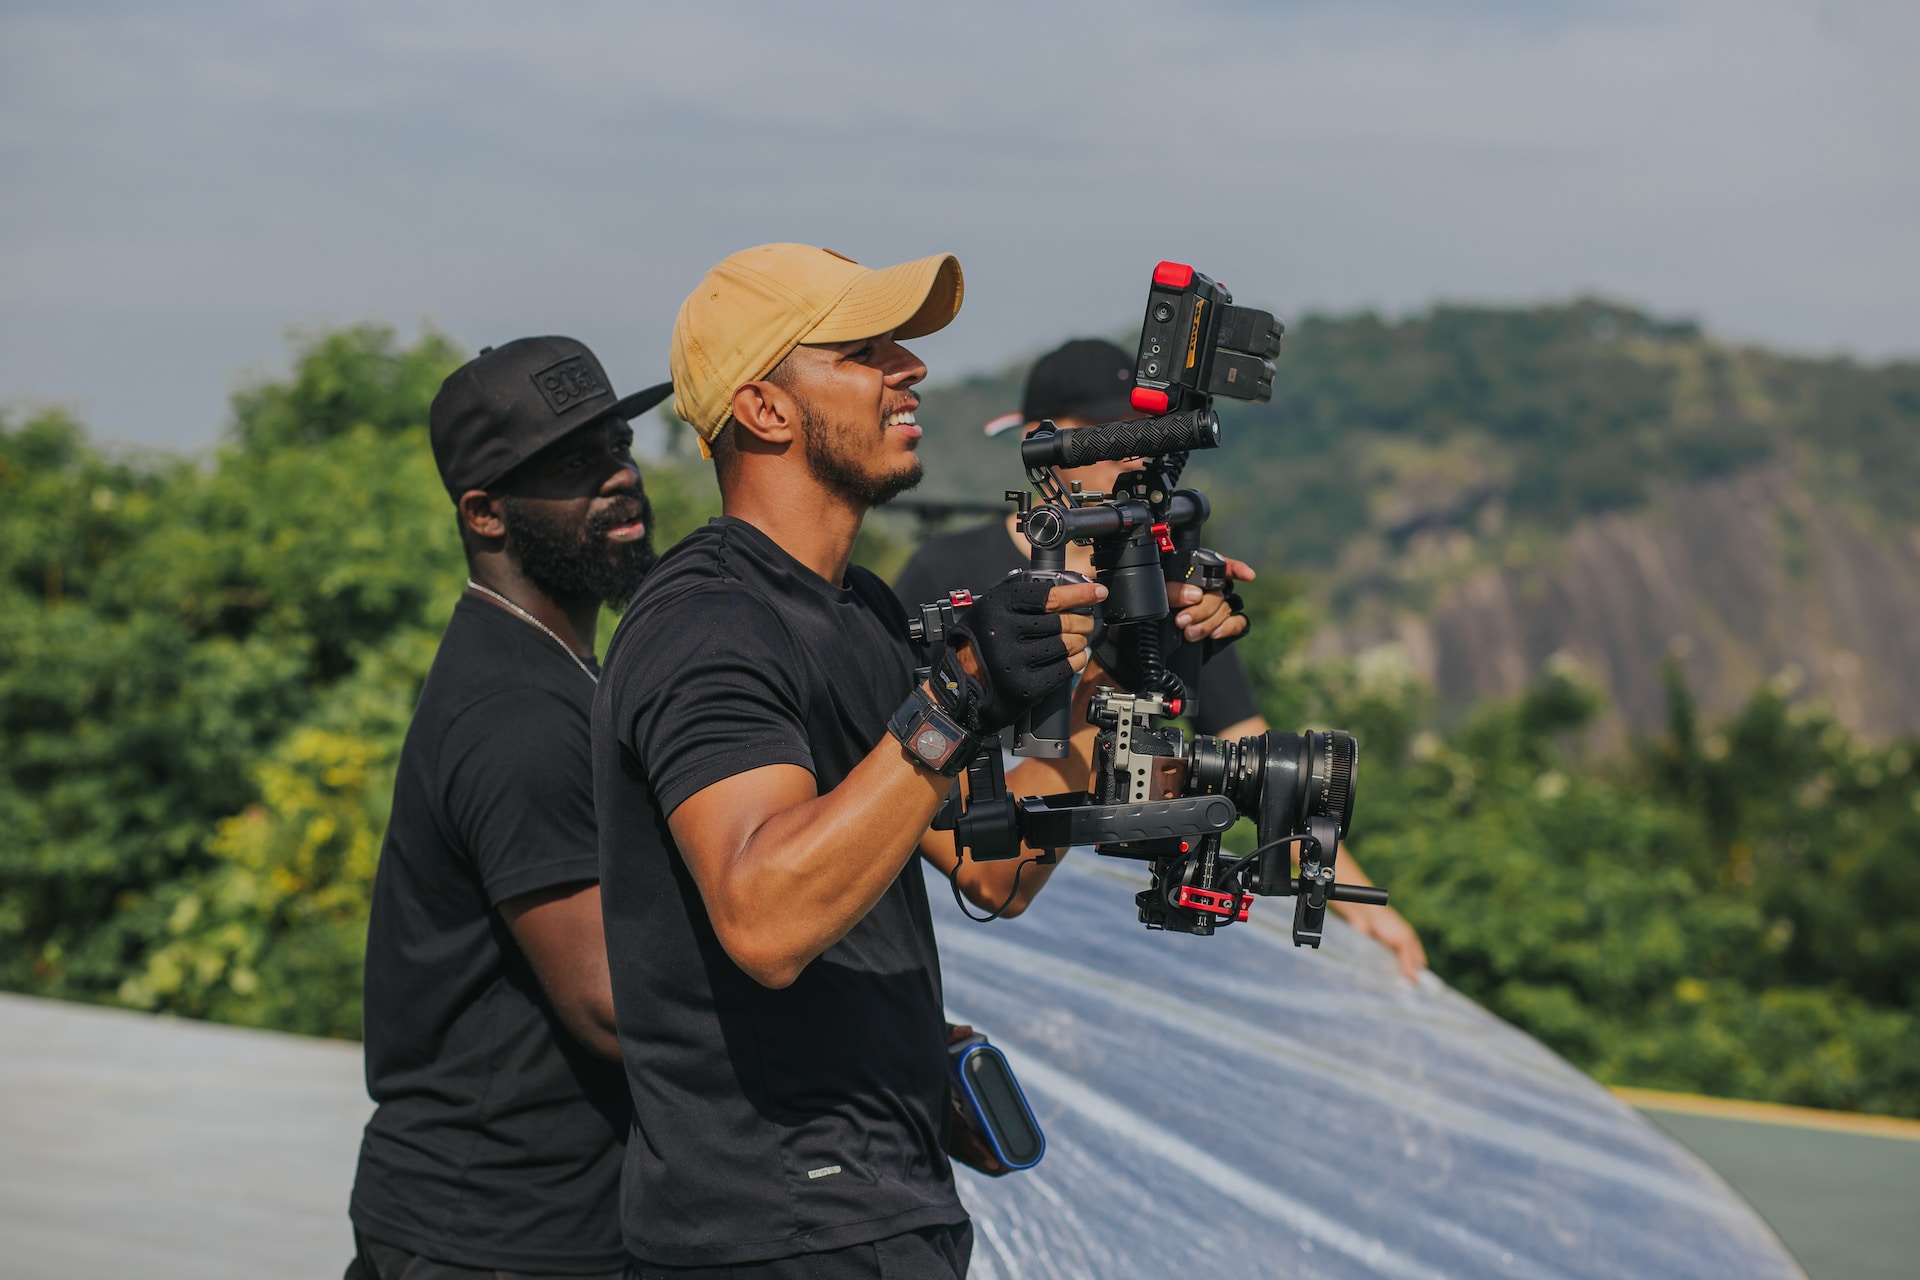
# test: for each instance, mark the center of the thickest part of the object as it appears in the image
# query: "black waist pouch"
(992, 1097)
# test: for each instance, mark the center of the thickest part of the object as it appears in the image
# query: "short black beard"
(832, 455)
(578, 562)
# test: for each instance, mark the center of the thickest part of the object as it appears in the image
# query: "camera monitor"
(1195, 343)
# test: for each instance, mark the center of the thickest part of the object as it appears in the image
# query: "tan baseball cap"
(761, 303)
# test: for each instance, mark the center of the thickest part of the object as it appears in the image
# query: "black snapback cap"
(1088, 378)
(511, 401)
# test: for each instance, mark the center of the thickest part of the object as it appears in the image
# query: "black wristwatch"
(933, 737)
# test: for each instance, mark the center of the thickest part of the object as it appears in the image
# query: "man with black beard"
(490, 1046)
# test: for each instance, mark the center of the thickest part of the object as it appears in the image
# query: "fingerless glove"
(1021, 650)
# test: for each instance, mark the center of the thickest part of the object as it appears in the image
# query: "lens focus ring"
(1335, 758)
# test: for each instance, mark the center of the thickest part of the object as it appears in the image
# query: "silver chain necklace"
(495, 595)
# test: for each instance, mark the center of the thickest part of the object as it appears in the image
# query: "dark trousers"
(931, 1253)
(376, 1261)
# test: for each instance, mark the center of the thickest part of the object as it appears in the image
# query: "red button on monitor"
(1174, 275)
(1147, 400)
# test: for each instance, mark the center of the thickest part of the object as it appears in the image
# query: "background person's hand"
(1390, 929)
(1209, 615)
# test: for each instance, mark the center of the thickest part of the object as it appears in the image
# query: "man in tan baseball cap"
(752, 310)
(766, 767)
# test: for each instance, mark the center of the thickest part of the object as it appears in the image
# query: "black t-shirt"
(975, 559)
(497, 1139)
(766, 1123)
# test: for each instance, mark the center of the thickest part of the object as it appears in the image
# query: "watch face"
(931, 745)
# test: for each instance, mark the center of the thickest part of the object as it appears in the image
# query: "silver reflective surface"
(1235, 1107)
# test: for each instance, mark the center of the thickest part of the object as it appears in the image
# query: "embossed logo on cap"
(567, 383)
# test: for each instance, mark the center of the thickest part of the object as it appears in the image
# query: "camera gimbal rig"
(1157, 796)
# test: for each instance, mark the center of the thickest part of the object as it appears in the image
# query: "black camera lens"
(1282, 779)
(1163, 312)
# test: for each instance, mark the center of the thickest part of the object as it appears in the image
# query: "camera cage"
(1158, 796)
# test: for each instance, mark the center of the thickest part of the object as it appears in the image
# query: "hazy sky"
(181, 182)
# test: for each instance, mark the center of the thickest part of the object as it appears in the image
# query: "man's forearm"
(559, 930)
(594, 1029)
(785, 872)
(795, 884)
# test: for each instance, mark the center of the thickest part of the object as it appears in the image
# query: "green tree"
(1735, 916)
(169, 627)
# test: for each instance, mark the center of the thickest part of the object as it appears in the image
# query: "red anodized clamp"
(961, 598)
(1163, 535)
(1216, 902)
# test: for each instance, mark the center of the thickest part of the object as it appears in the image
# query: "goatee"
(833, 454)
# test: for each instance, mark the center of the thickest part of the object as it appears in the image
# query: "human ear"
(766, 411)
(480, 512)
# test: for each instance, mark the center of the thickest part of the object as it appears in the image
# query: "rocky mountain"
(1741, 580)
(1488, 490)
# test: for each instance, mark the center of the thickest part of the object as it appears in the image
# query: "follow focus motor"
(1158, 796)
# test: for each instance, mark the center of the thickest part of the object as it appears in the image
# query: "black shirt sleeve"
(518, 782)
(1226, 696)
(715, 695)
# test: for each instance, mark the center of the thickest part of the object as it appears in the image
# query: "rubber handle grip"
(1112, 441)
